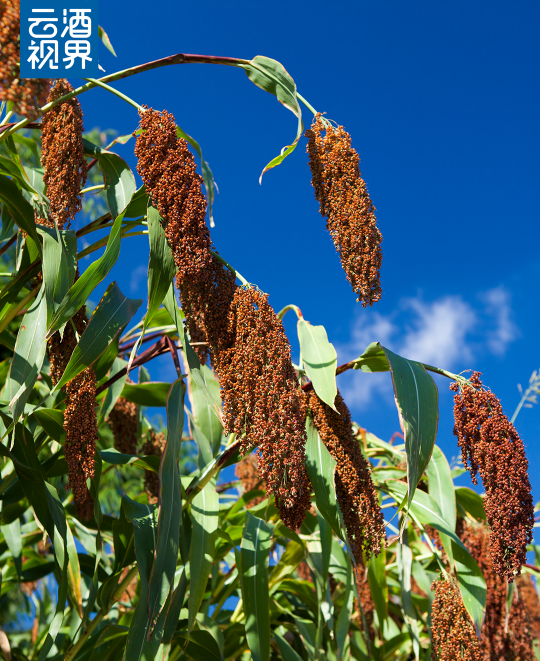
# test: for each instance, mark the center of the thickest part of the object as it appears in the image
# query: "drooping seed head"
(123, 423)
(345, 203)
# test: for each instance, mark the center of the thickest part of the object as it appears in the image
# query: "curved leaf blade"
(255, 550)
(320, 360)
(204, 515)
(271, 76)
(112, 314)
(441, 486)
(417, 401)
(170, 507)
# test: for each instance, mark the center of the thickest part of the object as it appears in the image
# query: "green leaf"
(110, 317)
(471, 502)
(441, 486)
(89, 280)
(272, 77)
(470, 579)
(150, 393)
(113, 391)
(74, 573)
(138, 203)
(404, 560)
(320, 360)
(21, 212)
(12, 535)
(52, 422)
(59, 265)
(378, 587)
(205, 418)
(144, 519)
(472, 585)
(417, 402)
(372, 360)
(287, 652)
(202, 647)
(117, 175)
(321, 466)
(161, 267)
(204, 515)
(255, 550)
(292, 556)
(205, 455)
(170, 506)
(344, 619)
(29, 355)
(105, 39)
(208, 177)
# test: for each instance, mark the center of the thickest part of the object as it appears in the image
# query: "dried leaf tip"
(345, 202)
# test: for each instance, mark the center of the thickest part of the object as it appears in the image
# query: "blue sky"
(442, 103)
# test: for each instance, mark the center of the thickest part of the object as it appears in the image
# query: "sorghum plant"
(122, 538)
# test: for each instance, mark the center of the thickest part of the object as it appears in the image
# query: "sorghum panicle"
(62, 156)
(529, 594)
(248, 473)
(491, 446)
(366, 605)
(452, 631)
(80, 419)
(354, 487)
(27, 94)
(345, 202)
(154, 445)
(123, 423)
(500, 639)
(263, 404)
(168, 170)
(206, 286)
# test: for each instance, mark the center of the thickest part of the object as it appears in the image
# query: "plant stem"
(15, 311)
(178, 58)
(231, 269)
(91, 188)
(8, 244)
(296, 309)
(209, 472)
(306, 103)
(100, 83)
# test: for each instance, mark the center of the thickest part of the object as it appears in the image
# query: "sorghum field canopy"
(120, 538)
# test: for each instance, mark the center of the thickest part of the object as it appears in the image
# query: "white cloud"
(136, 277)
(497, 303)
(447, 332)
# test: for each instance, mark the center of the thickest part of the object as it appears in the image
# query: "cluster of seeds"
(168, 169)
(491, 446)
(263, 403)
(364, 610)
(27, 94)
(80, 420)
(345, 202)
(452, 632)
(354, 487)
(247, 472)
(123, 423)
(503, 636)
(63, 156)
(154, 445)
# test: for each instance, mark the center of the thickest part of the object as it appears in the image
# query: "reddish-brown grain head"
(154, 445)
(345, 203)
(452, 632)
(62, 156)
(354, 487)
(492, 447)
(263, 403)
(123, 423)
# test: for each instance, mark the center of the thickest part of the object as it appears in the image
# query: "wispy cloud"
(447, 332)
(136, 277)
